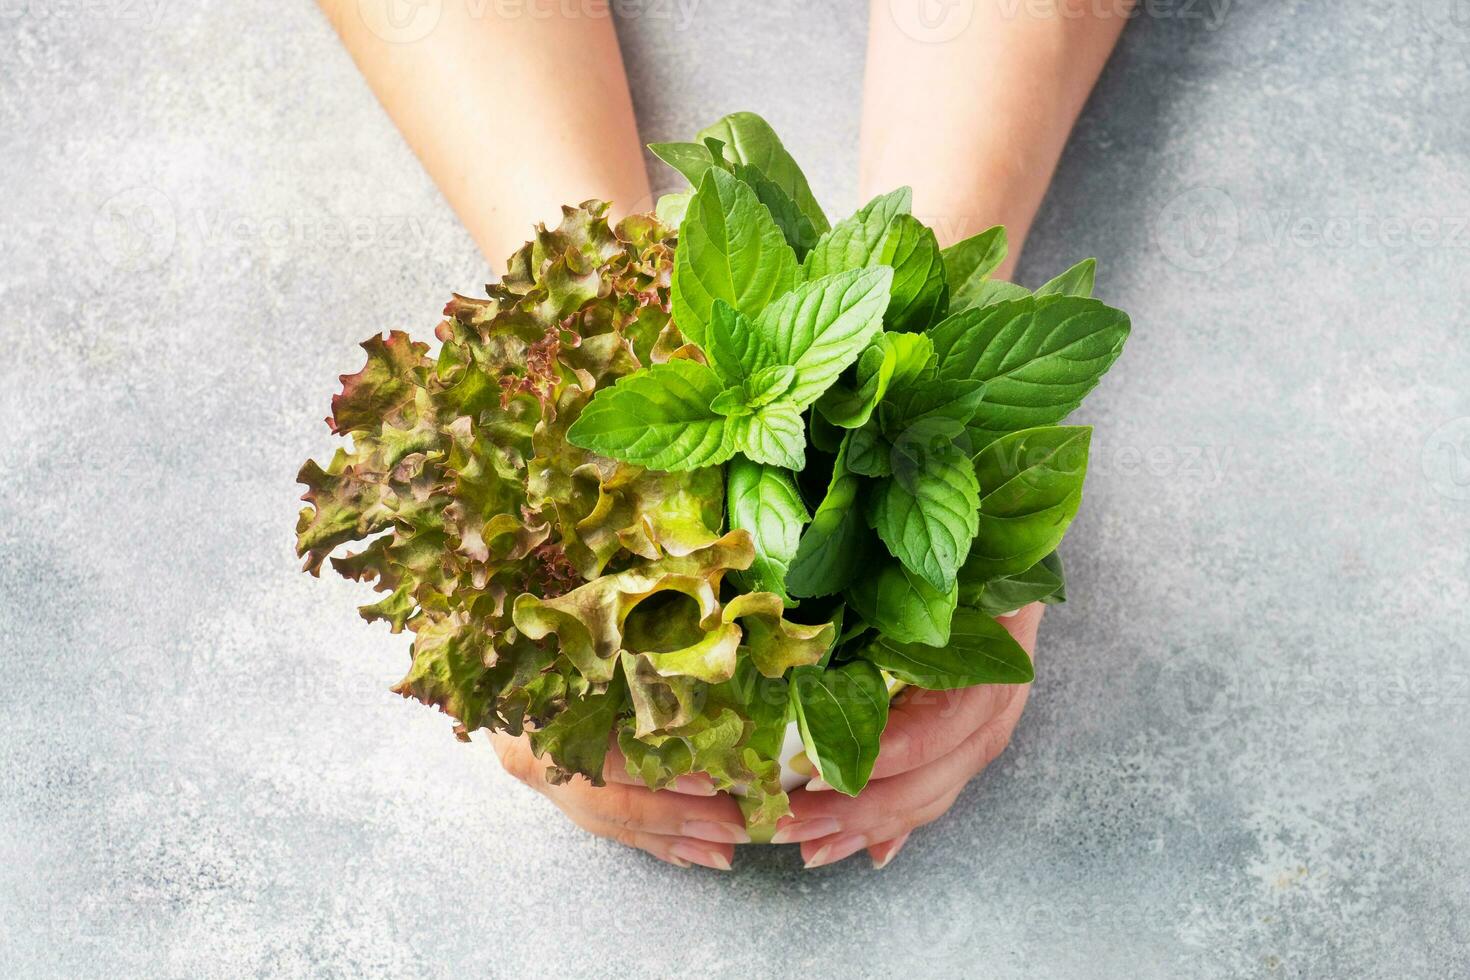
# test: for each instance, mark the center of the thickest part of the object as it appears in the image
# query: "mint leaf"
(855, 241)
(969, 263)
(772, 434)
(660, 418)
(734, 348)
(764, 501)
(670, 208)
(729, 248)
(1042, 582)
(1030, 488)
(1076, 281)
(1038, 357)
(919, 290)
(926, 514)
(903, 606)
(928, 410)
(979, 651)
(750, 140)
(821, 326)
(841, 712)
(827, 559)
(868, 452)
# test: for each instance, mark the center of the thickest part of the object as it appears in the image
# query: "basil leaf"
(827, 559)
(980, 651)
(1076, 281)
(855, 241)
(750, 140)
(926, 514)
(1042, 582)
(1030, 488)
(1038, 358)
(902, 606)
(772, 434)
(892, 358)
(841, 712)
(821, 327)
(690, 159)
(800, 233)
(660, 418)
(919, 291)
(967, 264)
(764, 501)
(987, 294)
(729, 248)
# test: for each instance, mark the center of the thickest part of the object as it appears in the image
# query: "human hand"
(689, 823)
(935, 743)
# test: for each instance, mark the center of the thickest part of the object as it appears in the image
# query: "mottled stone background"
(1248, 750)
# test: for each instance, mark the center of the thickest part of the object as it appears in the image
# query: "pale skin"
(509, 135)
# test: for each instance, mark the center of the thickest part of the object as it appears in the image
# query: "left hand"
(935, 743)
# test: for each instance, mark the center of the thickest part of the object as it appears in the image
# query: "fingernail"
(893, 848)
(1008, 615)
(694, 786)
(800, 830)
(692, 852)
(816, 785)
(837, 850)
(677, 862)
(714, 830)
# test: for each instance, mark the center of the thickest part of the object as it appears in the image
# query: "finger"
(830, 850)
(680, 851)
(927, 725)
(714, 819)
(887, 808)
(924, 726)
(883, 853)
(615, 770)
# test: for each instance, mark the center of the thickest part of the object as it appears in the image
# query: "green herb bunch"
(684, 490)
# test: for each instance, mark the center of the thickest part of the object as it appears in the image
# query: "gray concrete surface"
(1248, 751)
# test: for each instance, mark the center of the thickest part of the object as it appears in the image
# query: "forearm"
(976, 122)
(512, 116)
